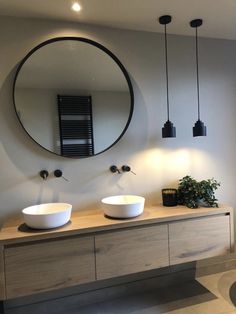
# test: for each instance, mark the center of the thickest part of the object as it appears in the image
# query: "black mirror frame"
(93, 43)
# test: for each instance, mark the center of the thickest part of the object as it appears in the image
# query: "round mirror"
(73, 97)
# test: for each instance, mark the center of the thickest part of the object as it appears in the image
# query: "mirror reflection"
(73, 97)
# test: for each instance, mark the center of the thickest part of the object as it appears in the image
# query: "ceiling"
(219, 16)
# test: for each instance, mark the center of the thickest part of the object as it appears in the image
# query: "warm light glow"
(171, 164)
(76, 7)
(158, 168)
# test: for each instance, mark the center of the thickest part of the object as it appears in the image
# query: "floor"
(206, 295)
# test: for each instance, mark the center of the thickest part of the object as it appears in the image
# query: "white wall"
(158, 162)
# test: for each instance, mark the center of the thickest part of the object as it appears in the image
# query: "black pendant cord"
(167, 76)
(199, 129)
(168, 130)
(198, 97)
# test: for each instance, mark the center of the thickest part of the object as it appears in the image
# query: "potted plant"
(193, 193)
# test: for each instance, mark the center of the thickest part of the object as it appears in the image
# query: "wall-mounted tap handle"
(58, 174)
(126, 168)
(114, 169)
(44, 174)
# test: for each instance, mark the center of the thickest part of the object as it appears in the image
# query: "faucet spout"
(114, 169)
(44, 174)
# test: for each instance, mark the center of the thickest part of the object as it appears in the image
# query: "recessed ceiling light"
(76, 7)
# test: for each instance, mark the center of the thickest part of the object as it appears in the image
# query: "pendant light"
(199, 128)
(168, 130)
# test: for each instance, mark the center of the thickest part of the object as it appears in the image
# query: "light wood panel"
(85, 222)
(47, 266)
(129, 251)
(2, 275)
(196, 239)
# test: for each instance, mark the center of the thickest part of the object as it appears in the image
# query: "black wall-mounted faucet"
(114, 169)
(44, 174)
(59, 174)
(126, 168)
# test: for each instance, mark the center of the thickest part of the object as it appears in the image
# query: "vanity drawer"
(39, 267)
(196, 239)
(129, 251)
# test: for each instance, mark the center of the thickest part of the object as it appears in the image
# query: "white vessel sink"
(123, 206)
(47, 216)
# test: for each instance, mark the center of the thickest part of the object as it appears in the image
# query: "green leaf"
(190, 192)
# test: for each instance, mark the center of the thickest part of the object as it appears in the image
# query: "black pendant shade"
(168, 130)
(199, 128)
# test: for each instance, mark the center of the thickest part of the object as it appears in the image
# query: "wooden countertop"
(83, 222)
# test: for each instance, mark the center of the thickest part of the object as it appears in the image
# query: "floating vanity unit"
(92, 247)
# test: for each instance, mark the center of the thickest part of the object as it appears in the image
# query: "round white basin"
(123, 206)
(47, 216)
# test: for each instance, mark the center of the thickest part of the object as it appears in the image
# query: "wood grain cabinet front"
(196, 239)
(45, 266)
(125, 252)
